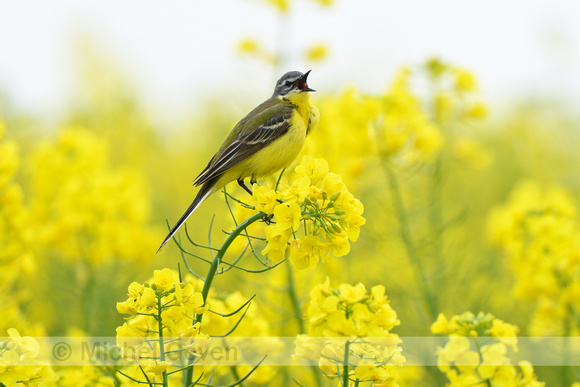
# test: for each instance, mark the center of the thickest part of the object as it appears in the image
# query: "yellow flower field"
(414, 242)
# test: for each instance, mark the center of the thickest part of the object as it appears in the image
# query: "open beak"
(302, 85)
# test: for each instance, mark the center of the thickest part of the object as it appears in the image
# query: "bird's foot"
(243, 185)
(268, 219)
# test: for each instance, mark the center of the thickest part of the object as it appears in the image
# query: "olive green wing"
(263, 125)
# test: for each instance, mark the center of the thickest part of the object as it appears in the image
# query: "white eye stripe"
(288, 82)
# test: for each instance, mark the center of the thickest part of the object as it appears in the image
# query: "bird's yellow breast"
(307, 111)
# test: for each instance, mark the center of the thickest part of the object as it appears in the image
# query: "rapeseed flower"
(161, 308)
(477, 352)
(318, 199)
(538, 230)
(317, 53)
(18, 363)
(339, 322)
(85, 209)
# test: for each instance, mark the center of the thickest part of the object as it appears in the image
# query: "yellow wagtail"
(266, 140)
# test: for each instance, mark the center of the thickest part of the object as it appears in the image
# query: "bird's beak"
(302, 85)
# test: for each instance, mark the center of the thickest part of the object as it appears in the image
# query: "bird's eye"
(288, 83)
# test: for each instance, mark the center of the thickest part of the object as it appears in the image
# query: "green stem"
(88, 296)
(294, 298)
(410, 247)
(161, 343)
(235, 374)
(211, 274)
(412, 253)
(564, 376)
(345, 382)
(298, 314)
(435, 218)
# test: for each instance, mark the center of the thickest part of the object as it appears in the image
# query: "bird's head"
(293, 82)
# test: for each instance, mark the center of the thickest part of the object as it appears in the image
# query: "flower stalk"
(211, 275)
(412, 253)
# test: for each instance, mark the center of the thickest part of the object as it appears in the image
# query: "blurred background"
(455, 123)
(178, 55)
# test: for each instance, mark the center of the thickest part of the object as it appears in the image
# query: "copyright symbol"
(61, 351)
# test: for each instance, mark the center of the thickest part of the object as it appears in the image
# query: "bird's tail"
(206, 190)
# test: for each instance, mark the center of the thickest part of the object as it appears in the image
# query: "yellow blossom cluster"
(455, 98)
(317, 205)
(160, 331)
(539, 231)
(476, 352)
(350, 323)
(317, 53)
(252, 48)
(402, 124)
(344, 134)
(16, 256)
(18, 364)
(84, 207)
(408, 124)
(13, 216)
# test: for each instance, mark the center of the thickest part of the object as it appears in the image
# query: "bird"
(265, 141)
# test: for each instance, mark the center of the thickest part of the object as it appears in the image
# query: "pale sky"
(178, 52)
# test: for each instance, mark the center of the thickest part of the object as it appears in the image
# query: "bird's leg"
(243, 185)
(268, 219)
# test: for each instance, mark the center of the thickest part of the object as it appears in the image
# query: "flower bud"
(335, 196)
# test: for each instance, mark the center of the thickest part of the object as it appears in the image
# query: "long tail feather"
(204, 192)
